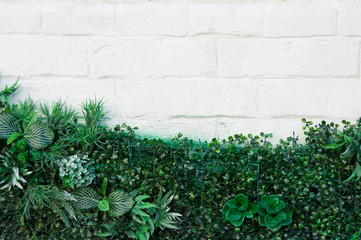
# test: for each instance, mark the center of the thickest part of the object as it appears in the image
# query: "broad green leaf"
(38, 135)
(261, 221)
(242, 201)
(288, 219)
(8, 125)
(232, 203)
(238, 222)
(141, 197)
(86, 198)
(261, 210)
(234, 214)
(103, 205)
(13, 137)
(140, 212)
(251, 210)
(275, 209)
(105, 234)
(275, 228)
(225, 209)
(119, 203)
(140, 235)
(145, 205)
(281, 216)
(271, 221)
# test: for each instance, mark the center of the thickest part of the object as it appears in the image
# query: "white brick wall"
(207, 68)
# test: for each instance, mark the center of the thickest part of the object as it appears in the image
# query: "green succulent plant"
(237, 209)
(76, 171)
(273, 213)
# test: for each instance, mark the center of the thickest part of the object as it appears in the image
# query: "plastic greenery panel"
(273, 214)
(237, 209)
(76, 171)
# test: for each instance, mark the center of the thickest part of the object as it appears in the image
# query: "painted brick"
(322, 98)
(280, 57)
(20, 17)
(186, 98)
(154, 57)
(40, 55)
(292, 97)
(226, 18)
(299, 19)
(151, 18)
(349, 20)
(79, 19)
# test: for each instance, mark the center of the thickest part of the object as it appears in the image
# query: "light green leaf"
(8, 125)
(13, 137)
(86, 198)
(119, 203)
(38, 135)
(141, 197)
(103, 205)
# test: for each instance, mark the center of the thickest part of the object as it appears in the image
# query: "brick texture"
(204, 68)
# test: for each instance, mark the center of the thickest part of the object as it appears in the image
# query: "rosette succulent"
(77, 171)
(237, 209)
(273, 213)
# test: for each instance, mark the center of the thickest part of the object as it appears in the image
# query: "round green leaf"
(271, 221)
(238, 222)
(232, 203)
(276, 208)
(104, 205)
(275, 228)
(281, 216)
(225, 209)
(261, 221)
(242, 201)
(261, 210)
(234, 214)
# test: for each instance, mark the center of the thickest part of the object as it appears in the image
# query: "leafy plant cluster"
(299, 190)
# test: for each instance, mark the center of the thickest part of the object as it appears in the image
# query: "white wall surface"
(204, 68)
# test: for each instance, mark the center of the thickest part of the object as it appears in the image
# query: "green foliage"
(308, 177)
(38, 135)
(76, 171)
(38, 196)
(117, 204)
(86, 198)
(163, 218)
(9, 125)
(12, 172)
(237, 209)
(5, 94)
(273, 213)
(58, 115)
